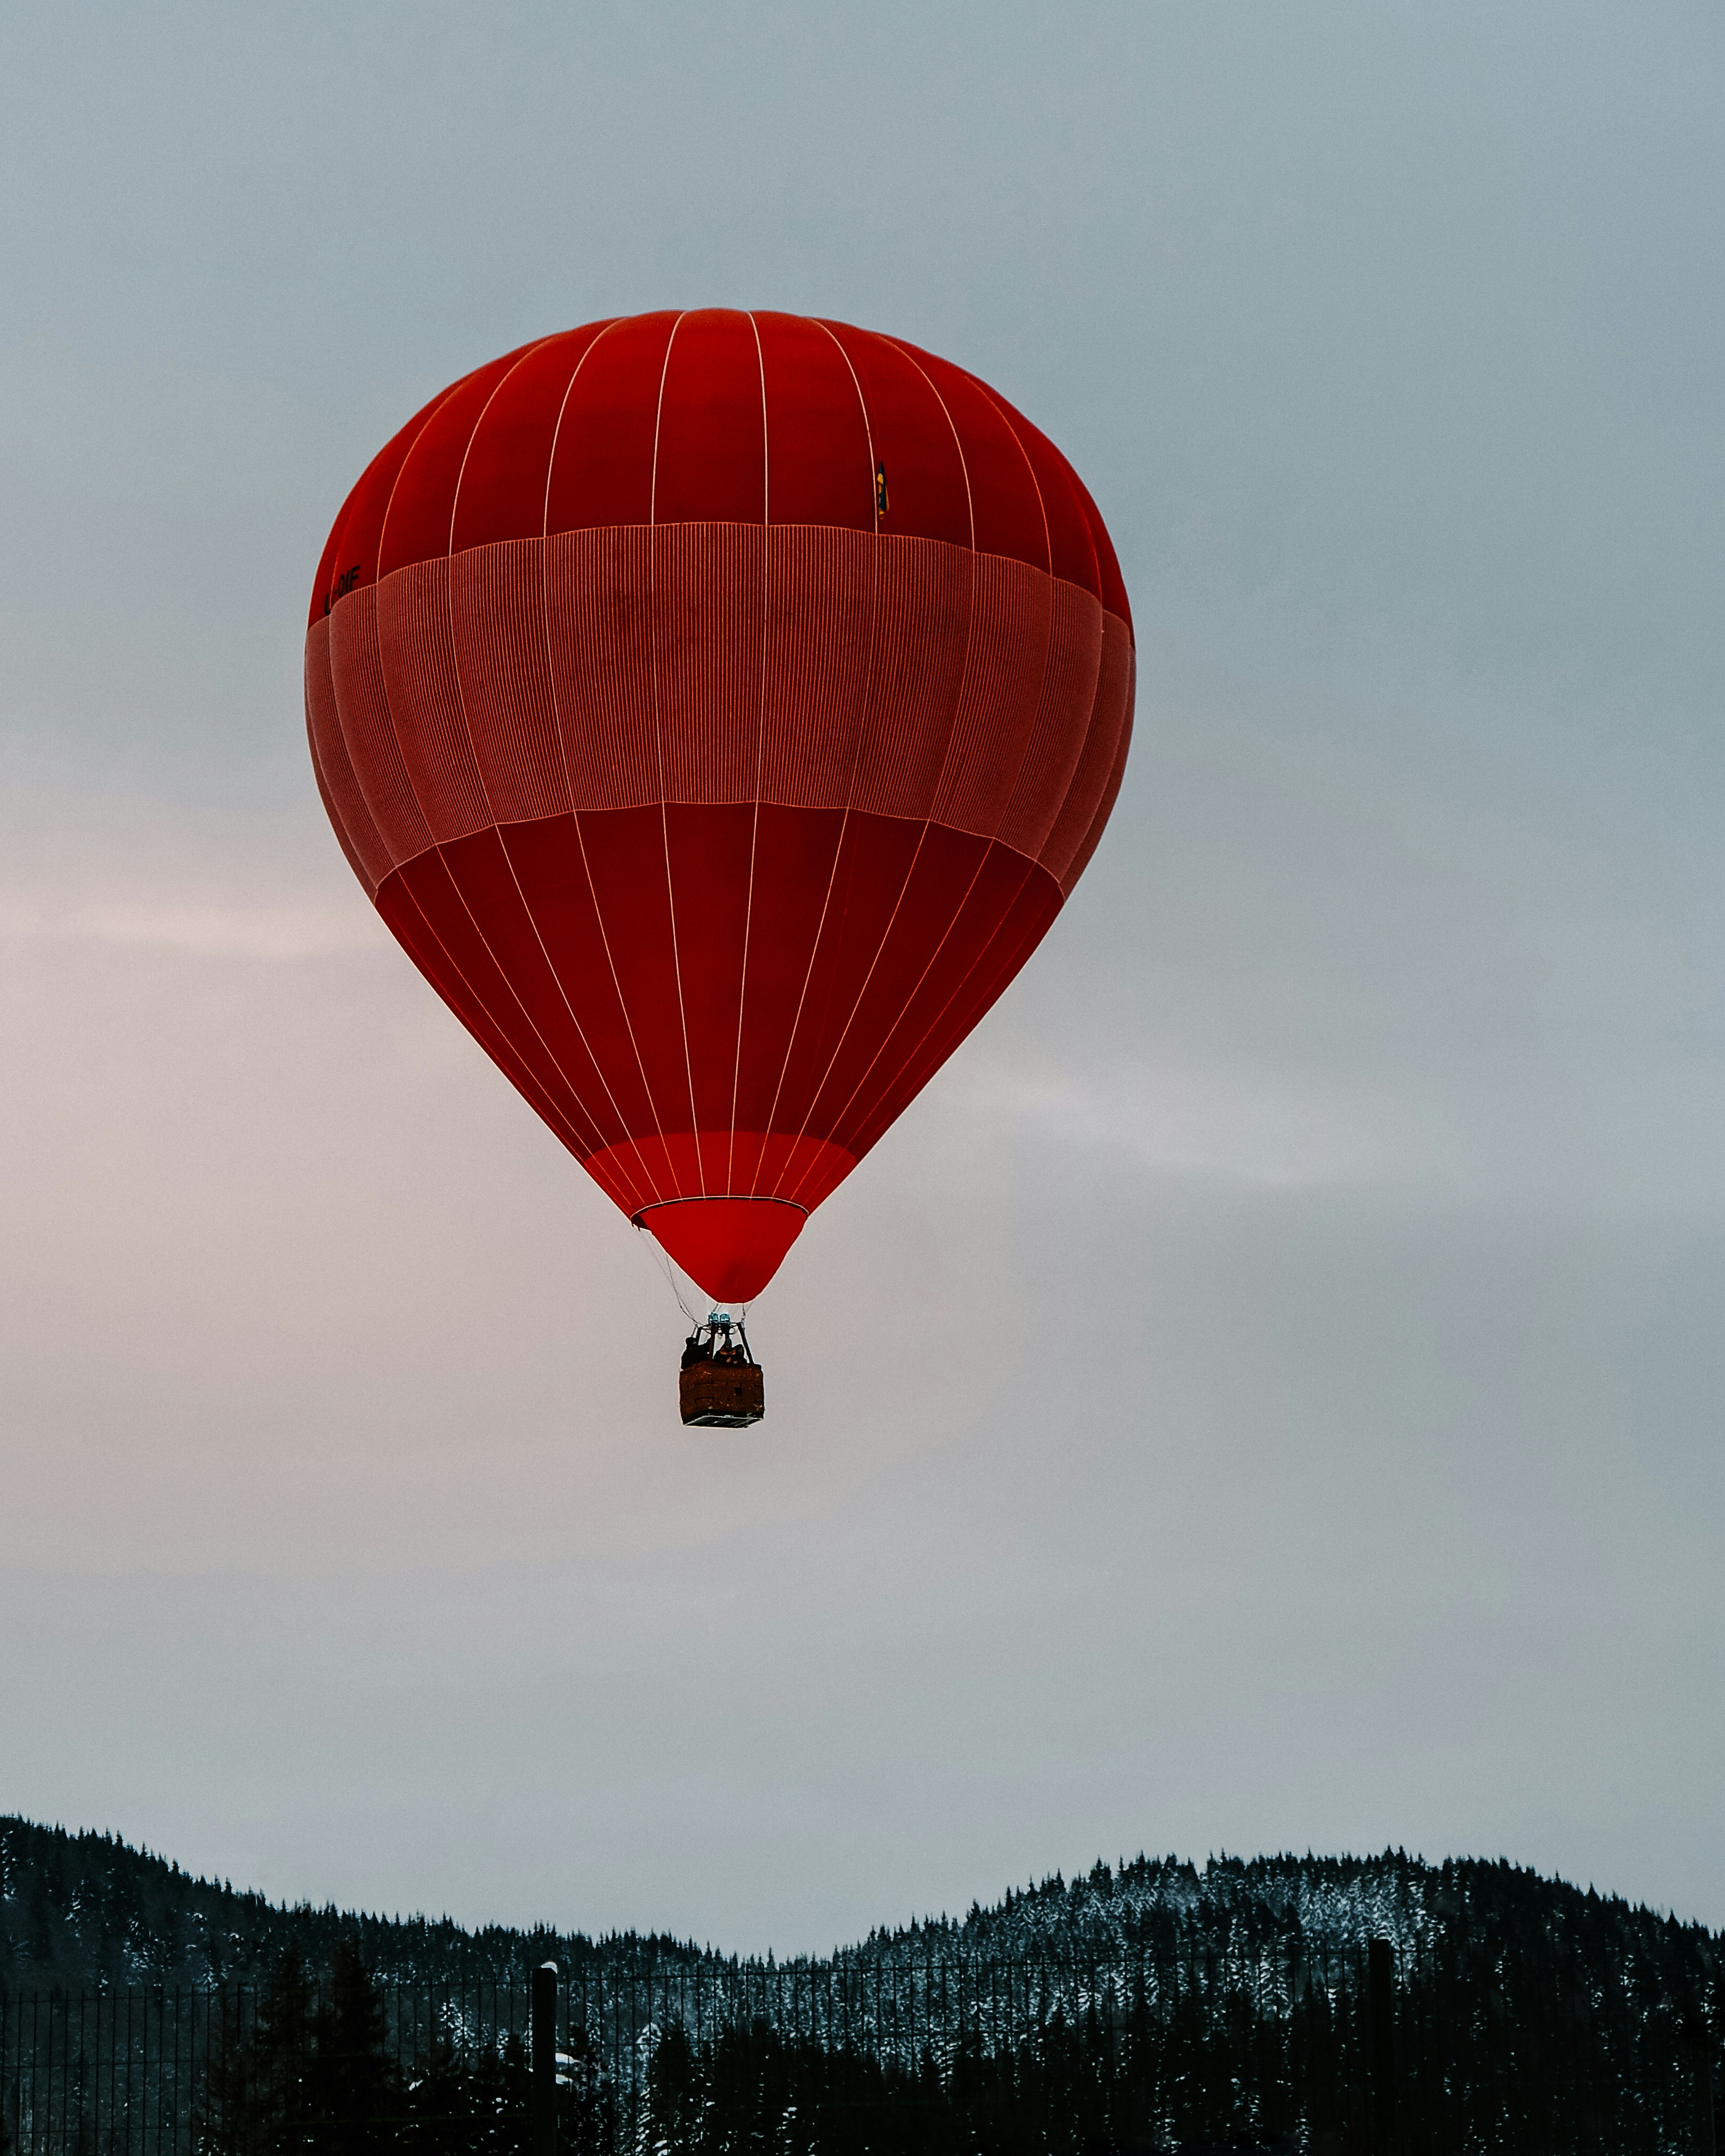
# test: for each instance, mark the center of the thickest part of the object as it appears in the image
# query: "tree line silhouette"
(1154, 2004)
(313, 2067)
(1145, 2056)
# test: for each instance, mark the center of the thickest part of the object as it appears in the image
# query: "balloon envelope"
(718, 708)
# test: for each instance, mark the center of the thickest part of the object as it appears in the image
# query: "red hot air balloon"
(718, 707)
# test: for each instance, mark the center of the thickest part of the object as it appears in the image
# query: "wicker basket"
(722, 1395)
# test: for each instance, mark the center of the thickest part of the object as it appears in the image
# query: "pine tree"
(673, 2095)
(356, 2091)
(228, 2122)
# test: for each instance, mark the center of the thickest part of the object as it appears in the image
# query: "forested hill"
(85, 1910)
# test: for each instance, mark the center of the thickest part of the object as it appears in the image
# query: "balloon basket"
(721, 1396)
(721, 1385)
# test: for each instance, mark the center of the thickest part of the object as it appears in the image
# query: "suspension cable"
(663, 1260)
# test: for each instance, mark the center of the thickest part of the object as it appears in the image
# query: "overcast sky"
(1267, 1393)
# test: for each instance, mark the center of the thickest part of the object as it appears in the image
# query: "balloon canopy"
(719, 707)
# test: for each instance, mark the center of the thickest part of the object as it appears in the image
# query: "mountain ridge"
(88, 1911)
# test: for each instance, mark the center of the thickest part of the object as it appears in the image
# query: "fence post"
(543, 2098)
(1381, 1989)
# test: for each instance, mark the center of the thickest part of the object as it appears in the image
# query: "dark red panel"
(501, 494)
(423, 711)
(951, 964)
(671, 1161)
(921, 606)
(731, 1247)
(602, 468)
(1068, 695)
(467, 967)
(626, 858)
(795, 851)
(1114, 596)
(344, 800)
(820, 461)
(537, 1021)
(323, 585)
(922, 913)
(711, 460)
(350, 555)
(619, 1174)
(708, 599)
(1006, 676)
(1109, 716)
(600, 641)
(1104, 807)
(373, 745)
(915, 445)
(1072, 550)
(1028, 921)
(820, 467)
(709, 848)
(550, 865)
(1005, 501)
(496, 601)
(876, 857)
(416, 525)
(511, 939)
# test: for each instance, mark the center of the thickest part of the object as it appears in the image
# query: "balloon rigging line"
(664, 1263)
(663, 1260)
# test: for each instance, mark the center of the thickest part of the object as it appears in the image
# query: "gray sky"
(1268, 1392)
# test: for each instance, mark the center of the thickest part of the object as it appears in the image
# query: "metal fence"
(1450, 2055)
